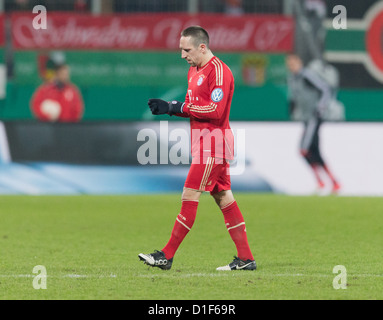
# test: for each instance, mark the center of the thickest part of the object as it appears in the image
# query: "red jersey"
(68, 96)
(207, 104)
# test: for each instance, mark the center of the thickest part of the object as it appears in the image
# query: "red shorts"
(211, 175)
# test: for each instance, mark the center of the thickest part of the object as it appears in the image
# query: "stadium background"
(99, 155)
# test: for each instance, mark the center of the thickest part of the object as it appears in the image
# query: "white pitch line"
(74, 276)
(196, 275)
(226, 274)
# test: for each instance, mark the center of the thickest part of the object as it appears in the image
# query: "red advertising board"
(374, 40)
(261, 33)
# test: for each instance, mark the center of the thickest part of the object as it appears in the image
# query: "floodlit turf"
(89, 247)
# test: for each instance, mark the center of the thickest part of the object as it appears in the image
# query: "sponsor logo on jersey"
(200, 80)
(217, 95)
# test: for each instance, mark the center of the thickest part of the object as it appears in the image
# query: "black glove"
(158, 106)
(175, 107)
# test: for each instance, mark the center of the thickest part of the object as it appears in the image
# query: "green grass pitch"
(89, 246)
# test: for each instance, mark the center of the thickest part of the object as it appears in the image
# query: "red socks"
(234, 221)
(182, 226)
(235, 224)
(329, 173)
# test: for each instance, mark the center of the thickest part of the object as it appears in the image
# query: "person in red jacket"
(59, 100)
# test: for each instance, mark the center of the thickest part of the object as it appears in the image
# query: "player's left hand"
(158, 106)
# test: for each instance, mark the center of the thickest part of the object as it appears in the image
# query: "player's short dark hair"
(198, 34)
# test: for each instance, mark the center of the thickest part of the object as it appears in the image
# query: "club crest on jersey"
(217, 95)
(200, 80)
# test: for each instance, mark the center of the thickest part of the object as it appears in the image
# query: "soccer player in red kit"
(207, 104)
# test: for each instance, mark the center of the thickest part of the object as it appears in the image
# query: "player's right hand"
(158, 106)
